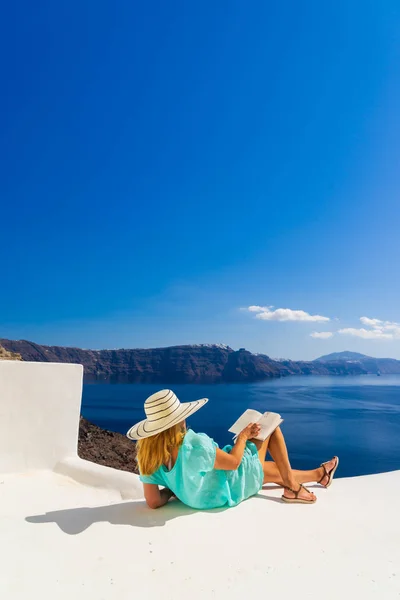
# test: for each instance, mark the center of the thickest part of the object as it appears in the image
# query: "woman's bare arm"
(155, 497)
(225, 461)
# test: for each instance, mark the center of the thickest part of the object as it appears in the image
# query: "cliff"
(205, 363)
(177, 364)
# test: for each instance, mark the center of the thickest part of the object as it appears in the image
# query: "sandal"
(296, 499)
(330, 474)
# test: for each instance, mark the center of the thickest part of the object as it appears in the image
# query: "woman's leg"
(277, 447)
(262, 448)
(272, 475)
(278, 450)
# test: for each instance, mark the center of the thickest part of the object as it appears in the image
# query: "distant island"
(203, 363)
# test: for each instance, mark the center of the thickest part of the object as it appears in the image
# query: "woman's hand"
(231, 461)
(251, 431)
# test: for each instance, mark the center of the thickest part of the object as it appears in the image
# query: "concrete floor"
(63, 540)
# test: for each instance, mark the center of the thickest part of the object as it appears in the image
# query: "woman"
(191, 467)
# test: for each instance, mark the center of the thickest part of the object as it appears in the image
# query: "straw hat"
(163, 410)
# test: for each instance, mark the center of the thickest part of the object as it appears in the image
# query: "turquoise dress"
(196, 483)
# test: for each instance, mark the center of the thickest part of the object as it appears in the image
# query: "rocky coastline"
(105, 447)
(202, 363)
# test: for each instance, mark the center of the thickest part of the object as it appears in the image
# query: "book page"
(249, 416)
(268, 423)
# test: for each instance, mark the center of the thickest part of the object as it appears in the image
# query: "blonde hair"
(154, 451)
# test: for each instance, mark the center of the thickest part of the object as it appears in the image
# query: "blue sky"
(166, 165)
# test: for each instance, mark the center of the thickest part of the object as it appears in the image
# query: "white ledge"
(98, 476)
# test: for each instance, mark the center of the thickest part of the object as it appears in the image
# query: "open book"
(268, 422)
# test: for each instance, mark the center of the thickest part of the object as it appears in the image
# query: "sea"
(356, 418)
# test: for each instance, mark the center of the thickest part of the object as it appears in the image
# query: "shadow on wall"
(76, 520)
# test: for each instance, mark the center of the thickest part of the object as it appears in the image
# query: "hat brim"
(186, 409)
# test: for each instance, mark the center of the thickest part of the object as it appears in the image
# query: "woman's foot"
(327, 471)
(299, 493)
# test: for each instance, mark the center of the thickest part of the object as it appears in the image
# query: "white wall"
(39, 414)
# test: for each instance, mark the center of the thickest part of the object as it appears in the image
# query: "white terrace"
(72, 530)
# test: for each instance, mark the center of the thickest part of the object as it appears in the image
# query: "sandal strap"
(326, 473)
(296, 494)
